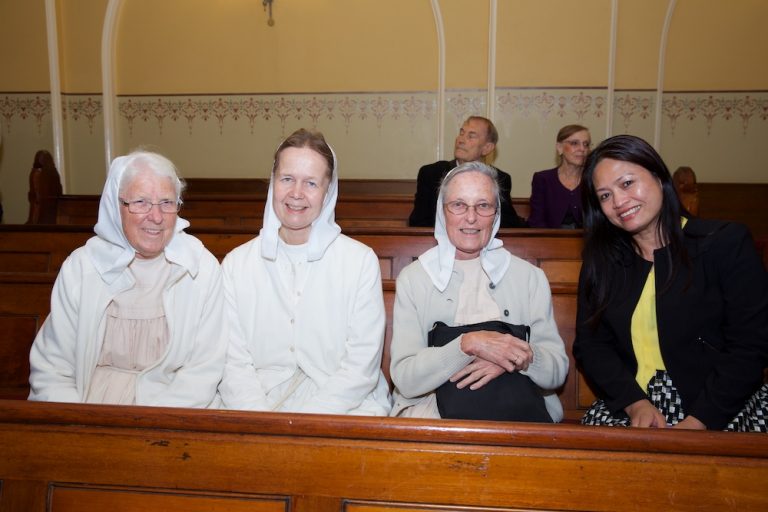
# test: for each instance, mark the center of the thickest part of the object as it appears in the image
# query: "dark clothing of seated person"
(556, 193)
(476, 139)
(672, 319)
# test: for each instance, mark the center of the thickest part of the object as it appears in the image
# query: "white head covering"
(324, 228)
(438, 261)
(111, 252)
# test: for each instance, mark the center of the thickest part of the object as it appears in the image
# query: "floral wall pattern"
(387, 135)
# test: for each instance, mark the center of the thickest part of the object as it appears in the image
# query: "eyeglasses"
(576, 143)
(460, 208)
(144, 206)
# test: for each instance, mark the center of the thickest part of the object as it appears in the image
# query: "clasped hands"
(495, 353)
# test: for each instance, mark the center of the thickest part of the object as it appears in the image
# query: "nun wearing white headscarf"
(304, 303)
(137, 312)
(469, 278)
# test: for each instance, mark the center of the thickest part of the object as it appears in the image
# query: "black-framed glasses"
(460, 208)
(144, 205)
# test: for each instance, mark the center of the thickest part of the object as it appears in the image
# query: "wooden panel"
(16, 336)
(76, 499)
(324, 460)
(22, 495)
(561, 271)
(740, 202)
(21, 261)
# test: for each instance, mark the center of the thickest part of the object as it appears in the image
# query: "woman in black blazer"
(672, 323)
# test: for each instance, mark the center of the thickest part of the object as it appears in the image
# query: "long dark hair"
(606, 245)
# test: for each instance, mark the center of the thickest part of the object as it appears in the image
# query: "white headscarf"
(324, 228)
(111, 252)
(438, 261)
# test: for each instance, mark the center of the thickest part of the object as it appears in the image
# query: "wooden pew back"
(66, 458)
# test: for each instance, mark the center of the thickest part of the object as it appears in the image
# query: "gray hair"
(472, 167)
(160, 166)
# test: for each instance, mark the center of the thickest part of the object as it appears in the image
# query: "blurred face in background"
(472, 142)
(575, 148)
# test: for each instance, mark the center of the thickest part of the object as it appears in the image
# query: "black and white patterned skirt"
(663, 395)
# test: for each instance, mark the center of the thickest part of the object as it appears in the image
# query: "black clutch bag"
(508, 397)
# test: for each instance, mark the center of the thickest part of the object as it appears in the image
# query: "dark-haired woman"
(672, 324)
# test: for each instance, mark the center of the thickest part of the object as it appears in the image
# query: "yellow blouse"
(645, 332)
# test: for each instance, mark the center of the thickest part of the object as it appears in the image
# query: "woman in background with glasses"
(467, 279)
(556, 193)
(137, 313)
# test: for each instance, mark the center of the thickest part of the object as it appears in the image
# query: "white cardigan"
(67, 347)
(334, 332)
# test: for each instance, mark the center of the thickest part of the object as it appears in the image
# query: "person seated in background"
(687, 190)
(137, 313)
(556, 193)
(474, 335)
(476, 140)
(672, 320)
(304, 303)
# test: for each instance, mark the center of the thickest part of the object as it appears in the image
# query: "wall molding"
(660, 75)
(440, 32)
(52, 38)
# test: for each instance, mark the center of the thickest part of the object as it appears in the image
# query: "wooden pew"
(65, 458)
(31, 256)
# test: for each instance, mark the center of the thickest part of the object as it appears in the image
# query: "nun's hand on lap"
(502, 349)
(476, 374)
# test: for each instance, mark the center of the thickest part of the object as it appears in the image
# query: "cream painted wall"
(717, 45)
(211, 85)
(79, 28)
(638, 40)
(23, 50)
(200, 46)
(548, 44)
(24, 73)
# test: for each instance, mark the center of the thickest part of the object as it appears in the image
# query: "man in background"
(476, 140)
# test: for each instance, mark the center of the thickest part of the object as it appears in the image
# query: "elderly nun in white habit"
(304, 302)
(474, 336)
(137, 312)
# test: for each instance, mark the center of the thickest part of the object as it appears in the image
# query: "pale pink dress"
(136, 335)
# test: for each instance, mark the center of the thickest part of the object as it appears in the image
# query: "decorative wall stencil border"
(712, 108)
(89, 108)
(254, 108)
(629, 106)
(23, 107)
(545, 104)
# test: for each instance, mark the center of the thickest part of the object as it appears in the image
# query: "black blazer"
(428, 185)
(712, 324)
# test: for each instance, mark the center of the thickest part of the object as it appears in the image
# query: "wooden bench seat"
(66, 458)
